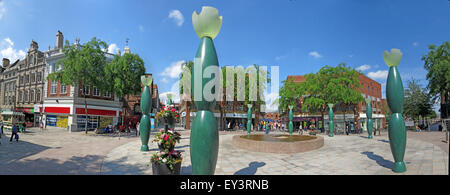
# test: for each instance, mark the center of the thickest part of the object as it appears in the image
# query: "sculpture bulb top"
(368, 101)
(146, 80)
(330, 105)
(290, 107)
(207, 23)
(249, 106)
(393, 58)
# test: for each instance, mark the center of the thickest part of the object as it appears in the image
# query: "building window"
(107, 94)
(39, 76)
(38, 95)
(20, 96)
(63, 89)
(32, 96)
(53, 87)
(26, 96)
(27, 78)
(20, 80)
(96, 91)
(33, 78)
(86, 90)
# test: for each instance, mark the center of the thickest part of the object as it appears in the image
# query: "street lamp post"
(249, 118)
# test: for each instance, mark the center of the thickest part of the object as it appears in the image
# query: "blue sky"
(299, 36)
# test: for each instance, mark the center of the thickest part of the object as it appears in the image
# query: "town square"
(224, 88)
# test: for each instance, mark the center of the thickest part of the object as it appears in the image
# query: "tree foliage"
(417, 101)
(437, 63)
(124, 74)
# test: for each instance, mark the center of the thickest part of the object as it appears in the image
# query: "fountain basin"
(283, 144)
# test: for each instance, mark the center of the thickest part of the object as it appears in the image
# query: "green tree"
(83, 65)
(417, 101)
(124, 74)
(437, 63)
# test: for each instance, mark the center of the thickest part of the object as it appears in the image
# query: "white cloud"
(381, 74)
(2, 9)
(164, 80)
(113, 48)
(174, 70)
(7, 50)
(315, 54)
(363, 67)
(177, 16)
(350, 56)
(415, 44)
(175, 90)
(271, 100)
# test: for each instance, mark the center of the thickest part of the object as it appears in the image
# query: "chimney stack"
(59, 40)
(5, 62)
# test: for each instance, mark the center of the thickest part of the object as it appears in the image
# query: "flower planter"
(162, 148)
(163, 169)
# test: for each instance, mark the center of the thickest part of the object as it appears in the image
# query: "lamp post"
(369, 122)
(291, 125)
(249, 118)
(204, 143)
(146, 105)
(330, 120)
(395, 98)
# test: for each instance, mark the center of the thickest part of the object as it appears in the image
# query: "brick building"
(370, 89)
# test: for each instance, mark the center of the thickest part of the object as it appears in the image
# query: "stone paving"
(341, 155)
(55, 151)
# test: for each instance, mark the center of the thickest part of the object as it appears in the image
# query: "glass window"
(96, 91)
(86, 90)
(107, 94)
(33, 78)
(39, 76)
(53, 87)
(20, 96)
(32, 95)
(26, 96)
(38, 95)
(63, 89)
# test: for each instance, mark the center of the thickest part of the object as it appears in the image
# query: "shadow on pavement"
(383, 140)
(251, 169)
(379, 160)
(120, 167)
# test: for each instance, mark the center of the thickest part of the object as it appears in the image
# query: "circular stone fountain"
(284, 144)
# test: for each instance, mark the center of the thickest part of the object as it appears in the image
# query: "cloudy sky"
(299, 36)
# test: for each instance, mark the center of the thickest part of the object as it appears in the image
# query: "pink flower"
(162, 136)
(167, 137)
(173, 110)
(162, 153)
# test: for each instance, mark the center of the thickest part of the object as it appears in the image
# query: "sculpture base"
(144, 148)
(370, 137)
(399, 167)
(331, 135)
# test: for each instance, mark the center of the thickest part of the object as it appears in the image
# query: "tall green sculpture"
(395, 98)
(330, 120)
(146, 106)
(369, 118)
(249, 118)
(204, 141)
(291, 125)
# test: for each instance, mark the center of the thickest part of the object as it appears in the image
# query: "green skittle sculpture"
(204, 143)
(330, 120)
(291, 125)
(146, 105)
(395, 98)
(369, 118)
(249, 119)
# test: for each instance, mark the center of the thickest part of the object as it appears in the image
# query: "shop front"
(28, 115)
(97, 118)
(307, 122)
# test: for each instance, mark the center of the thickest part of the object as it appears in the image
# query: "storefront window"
(93, 122)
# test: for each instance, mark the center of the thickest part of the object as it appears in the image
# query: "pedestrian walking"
(137, 129)
(14, 134)
(41, 125)
(24, 126)
(1, 131)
